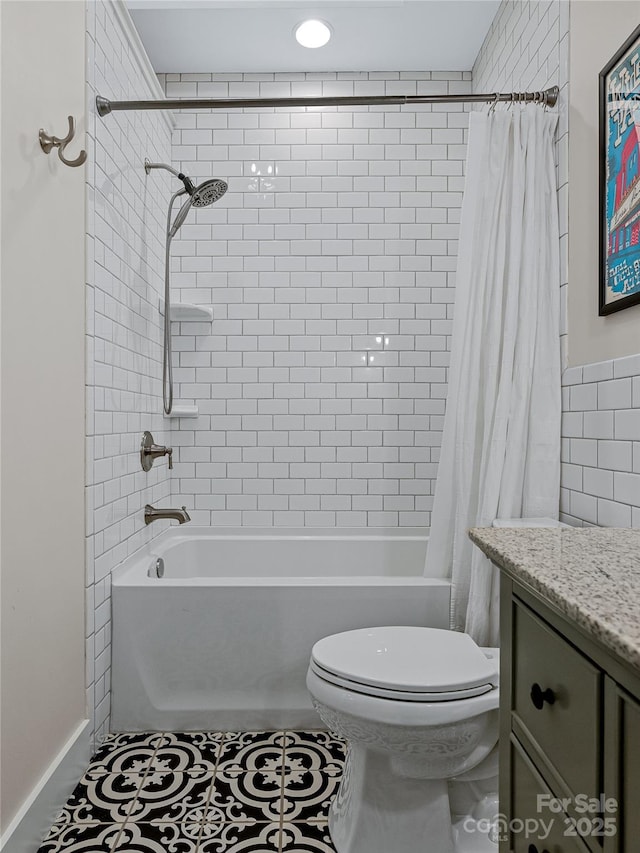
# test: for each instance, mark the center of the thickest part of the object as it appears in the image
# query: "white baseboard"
(25, 832)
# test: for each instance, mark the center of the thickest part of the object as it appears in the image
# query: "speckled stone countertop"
(591, 575)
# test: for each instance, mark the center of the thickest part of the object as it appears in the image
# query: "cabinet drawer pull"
(540, 696)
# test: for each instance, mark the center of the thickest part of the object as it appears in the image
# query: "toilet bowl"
(419, 709)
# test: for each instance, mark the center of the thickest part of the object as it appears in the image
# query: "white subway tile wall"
(527, 49)
(330, 266)
(601, 444)
(125, 259)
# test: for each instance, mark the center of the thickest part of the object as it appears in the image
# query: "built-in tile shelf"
(183, 410)
(184, 312)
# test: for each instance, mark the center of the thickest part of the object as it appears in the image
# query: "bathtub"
(222, 640)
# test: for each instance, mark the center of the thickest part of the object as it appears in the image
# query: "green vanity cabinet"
(570, 734)
(622, 764)
(528, 785)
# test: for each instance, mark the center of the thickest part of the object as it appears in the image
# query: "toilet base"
(376, 811)
(472, 836)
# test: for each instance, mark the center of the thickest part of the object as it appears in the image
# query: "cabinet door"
(622, 768)
(556, 698)
(534, 827)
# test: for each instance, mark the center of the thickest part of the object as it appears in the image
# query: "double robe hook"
(48, 142)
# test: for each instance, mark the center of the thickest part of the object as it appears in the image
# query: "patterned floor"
(203, 792)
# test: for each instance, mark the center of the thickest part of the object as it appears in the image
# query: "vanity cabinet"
(570, 734)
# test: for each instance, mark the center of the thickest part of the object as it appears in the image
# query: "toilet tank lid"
(528, 522)
(413, 659)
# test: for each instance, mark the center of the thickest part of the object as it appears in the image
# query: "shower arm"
(148, 166)
(186, 180)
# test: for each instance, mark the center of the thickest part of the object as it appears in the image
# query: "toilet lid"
(425, 664)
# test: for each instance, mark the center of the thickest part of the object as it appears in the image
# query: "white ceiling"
(257, 35)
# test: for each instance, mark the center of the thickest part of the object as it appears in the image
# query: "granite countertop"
(591, 575)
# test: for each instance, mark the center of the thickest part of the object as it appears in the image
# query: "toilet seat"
(404, 663)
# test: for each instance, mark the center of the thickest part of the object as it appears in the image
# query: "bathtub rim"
(132, 571)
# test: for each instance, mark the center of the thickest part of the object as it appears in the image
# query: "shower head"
(206, 193)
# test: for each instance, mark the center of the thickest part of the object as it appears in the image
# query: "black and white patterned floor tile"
(102, 799)
(240, 838)
(307, 795)
(124, 753)
(171, 798)
(195, 753)
(81, 838)
(305, 838)
(159, 838)
(252, 796)
(247, 751)
(203, 792)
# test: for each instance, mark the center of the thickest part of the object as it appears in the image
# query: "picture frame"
(619, 173)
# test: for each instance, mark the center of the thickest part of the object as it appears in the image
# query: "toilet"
(419, 710)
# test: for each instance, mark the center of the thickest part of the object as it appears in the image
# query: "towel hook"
(48, 142)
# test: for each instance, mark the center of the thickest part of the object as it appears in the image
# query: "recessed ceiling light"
(312, 33)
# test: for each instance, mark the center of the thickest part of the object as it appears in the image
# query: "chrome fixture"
(202, 195)
(546, 97)
(153, 514)
(156, 569)
(47, 142)
(150, 451)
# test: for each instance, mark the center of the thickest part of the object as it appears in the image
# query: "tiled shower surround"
(330, 266)
(306, 418)
(125, 261)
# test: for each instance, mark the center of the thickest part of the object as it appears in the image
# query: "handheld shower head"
(202, 195)
(208, 192)
(205, 194)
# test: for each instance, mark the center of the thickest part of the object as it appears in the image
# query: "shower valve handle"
(150, 451)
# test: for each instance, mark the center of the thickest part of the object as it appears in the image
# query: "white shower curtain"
(500, 453)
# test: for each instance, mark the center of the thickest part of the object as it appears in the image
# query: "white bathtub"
(222, 641)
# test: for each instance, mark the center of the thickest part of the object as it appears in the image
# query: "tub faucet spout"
(153, 514)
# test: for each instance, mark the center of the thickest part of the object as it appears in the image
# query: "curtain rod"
(547, 97)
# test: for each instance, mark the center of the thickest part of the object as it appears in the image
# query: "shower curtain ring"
(494, 103)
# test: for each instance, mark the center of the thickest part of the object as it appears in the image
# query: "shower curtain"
(500, 454)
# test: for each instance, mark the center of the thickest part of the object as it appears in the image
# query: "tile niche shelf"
(185, 312)
(183, 410)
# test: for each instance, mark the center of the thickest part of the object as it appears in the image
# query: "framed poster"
(620, 178)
